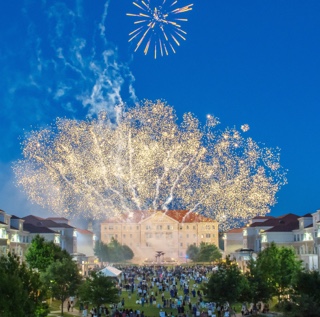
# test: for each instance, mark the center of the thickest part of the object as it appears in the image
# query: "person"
(68, 305)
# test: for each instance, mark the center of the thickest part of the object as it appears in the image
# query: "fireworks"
(148, 162)
(245, 127)
(158, 25)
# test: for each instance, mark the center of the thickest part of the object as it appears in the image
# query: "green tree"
(127, 253)
(62, 278)
(279, 266)
(41, 253)
(21, 291)
(305, 298)
(98, 289)
(192, 252)
(112, 252)
(257, 287)
(225, 284)
(208, 253)
(101, 250)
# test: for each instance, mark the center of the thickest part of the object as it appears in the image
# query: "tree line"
(48, 272)
(275, 273)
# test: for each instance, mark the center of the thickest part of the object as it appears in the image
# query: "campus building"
(17, 233)
(170, 232)
(290, 230)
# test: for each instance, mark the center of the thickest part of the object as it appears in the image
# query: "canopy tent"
(110, 271)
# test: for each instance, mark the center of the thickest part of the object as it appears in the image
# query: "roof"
(235, 230)
(15, 217)
(181, 216)
(281, 220)
(84, 231)
(42, 222)
(284, 227)
(57, 218)
(110, 271)
(262, 217)
(307, 216)
(35, 229)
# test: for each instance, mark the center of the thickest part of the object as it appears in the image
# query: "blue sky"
(254, 62)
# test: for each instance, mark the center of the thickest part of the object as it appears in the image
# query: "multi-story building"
(68, 234)
(301, 233)
(13, 237)
(170, 232)
(16, 234)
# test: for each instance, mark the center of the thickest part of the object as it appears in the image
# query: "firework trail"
(149, 162)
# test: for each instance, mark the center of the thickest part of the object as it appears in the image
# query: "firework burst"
(149, 162)
(158, 25)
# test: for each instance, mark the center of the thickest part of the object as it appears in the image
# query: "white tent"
(110, 271)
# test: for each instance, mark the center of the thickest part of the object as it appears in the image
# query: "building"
(13, 237)
(170, 232)
(68, 234)
(289, 230)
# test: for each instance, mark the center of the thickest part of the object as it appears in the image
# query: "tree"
(257, 287)
(225, 284)
(21, 291)
(62, 278)
(112, 252)
(41, 253)
(127, 253)
(305, 298)
(101, 250)
(279, 266)
(208, 253)
(192, 252)
(98, 289)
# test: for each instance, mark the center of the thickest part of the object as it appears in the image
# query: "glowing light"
(148, 162)
(245, 127)
(157, 25)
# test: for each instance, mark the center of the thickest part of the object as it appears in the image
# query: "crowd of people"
(175, 289)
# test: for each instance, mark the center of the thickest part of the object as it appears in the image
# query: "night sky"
(246, 62)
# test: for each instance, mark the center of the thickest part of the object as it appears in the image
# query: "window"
(213, 227)
(148, 227)
(208, 227)
(194, 235)
(110, 227)
(187, 227)
(194, 227)
(137, 227)
(159, 227)
(181, 227)
(124, 236)
(130, 235)
(202, 236)
(124, 227)
(187, 235)
(169, 227)
(207, 235)
(181, 244)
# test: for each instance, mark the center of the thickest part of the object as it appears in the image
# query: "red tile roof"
(236, 230)
(282, 220)
(84, 231)
(181, 216)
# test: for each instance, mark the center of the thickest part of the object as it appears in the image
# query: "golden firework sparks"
(149, 162)
(157, 19)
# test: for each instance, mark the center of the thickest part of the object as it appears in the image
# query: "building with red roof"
(169, 231)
